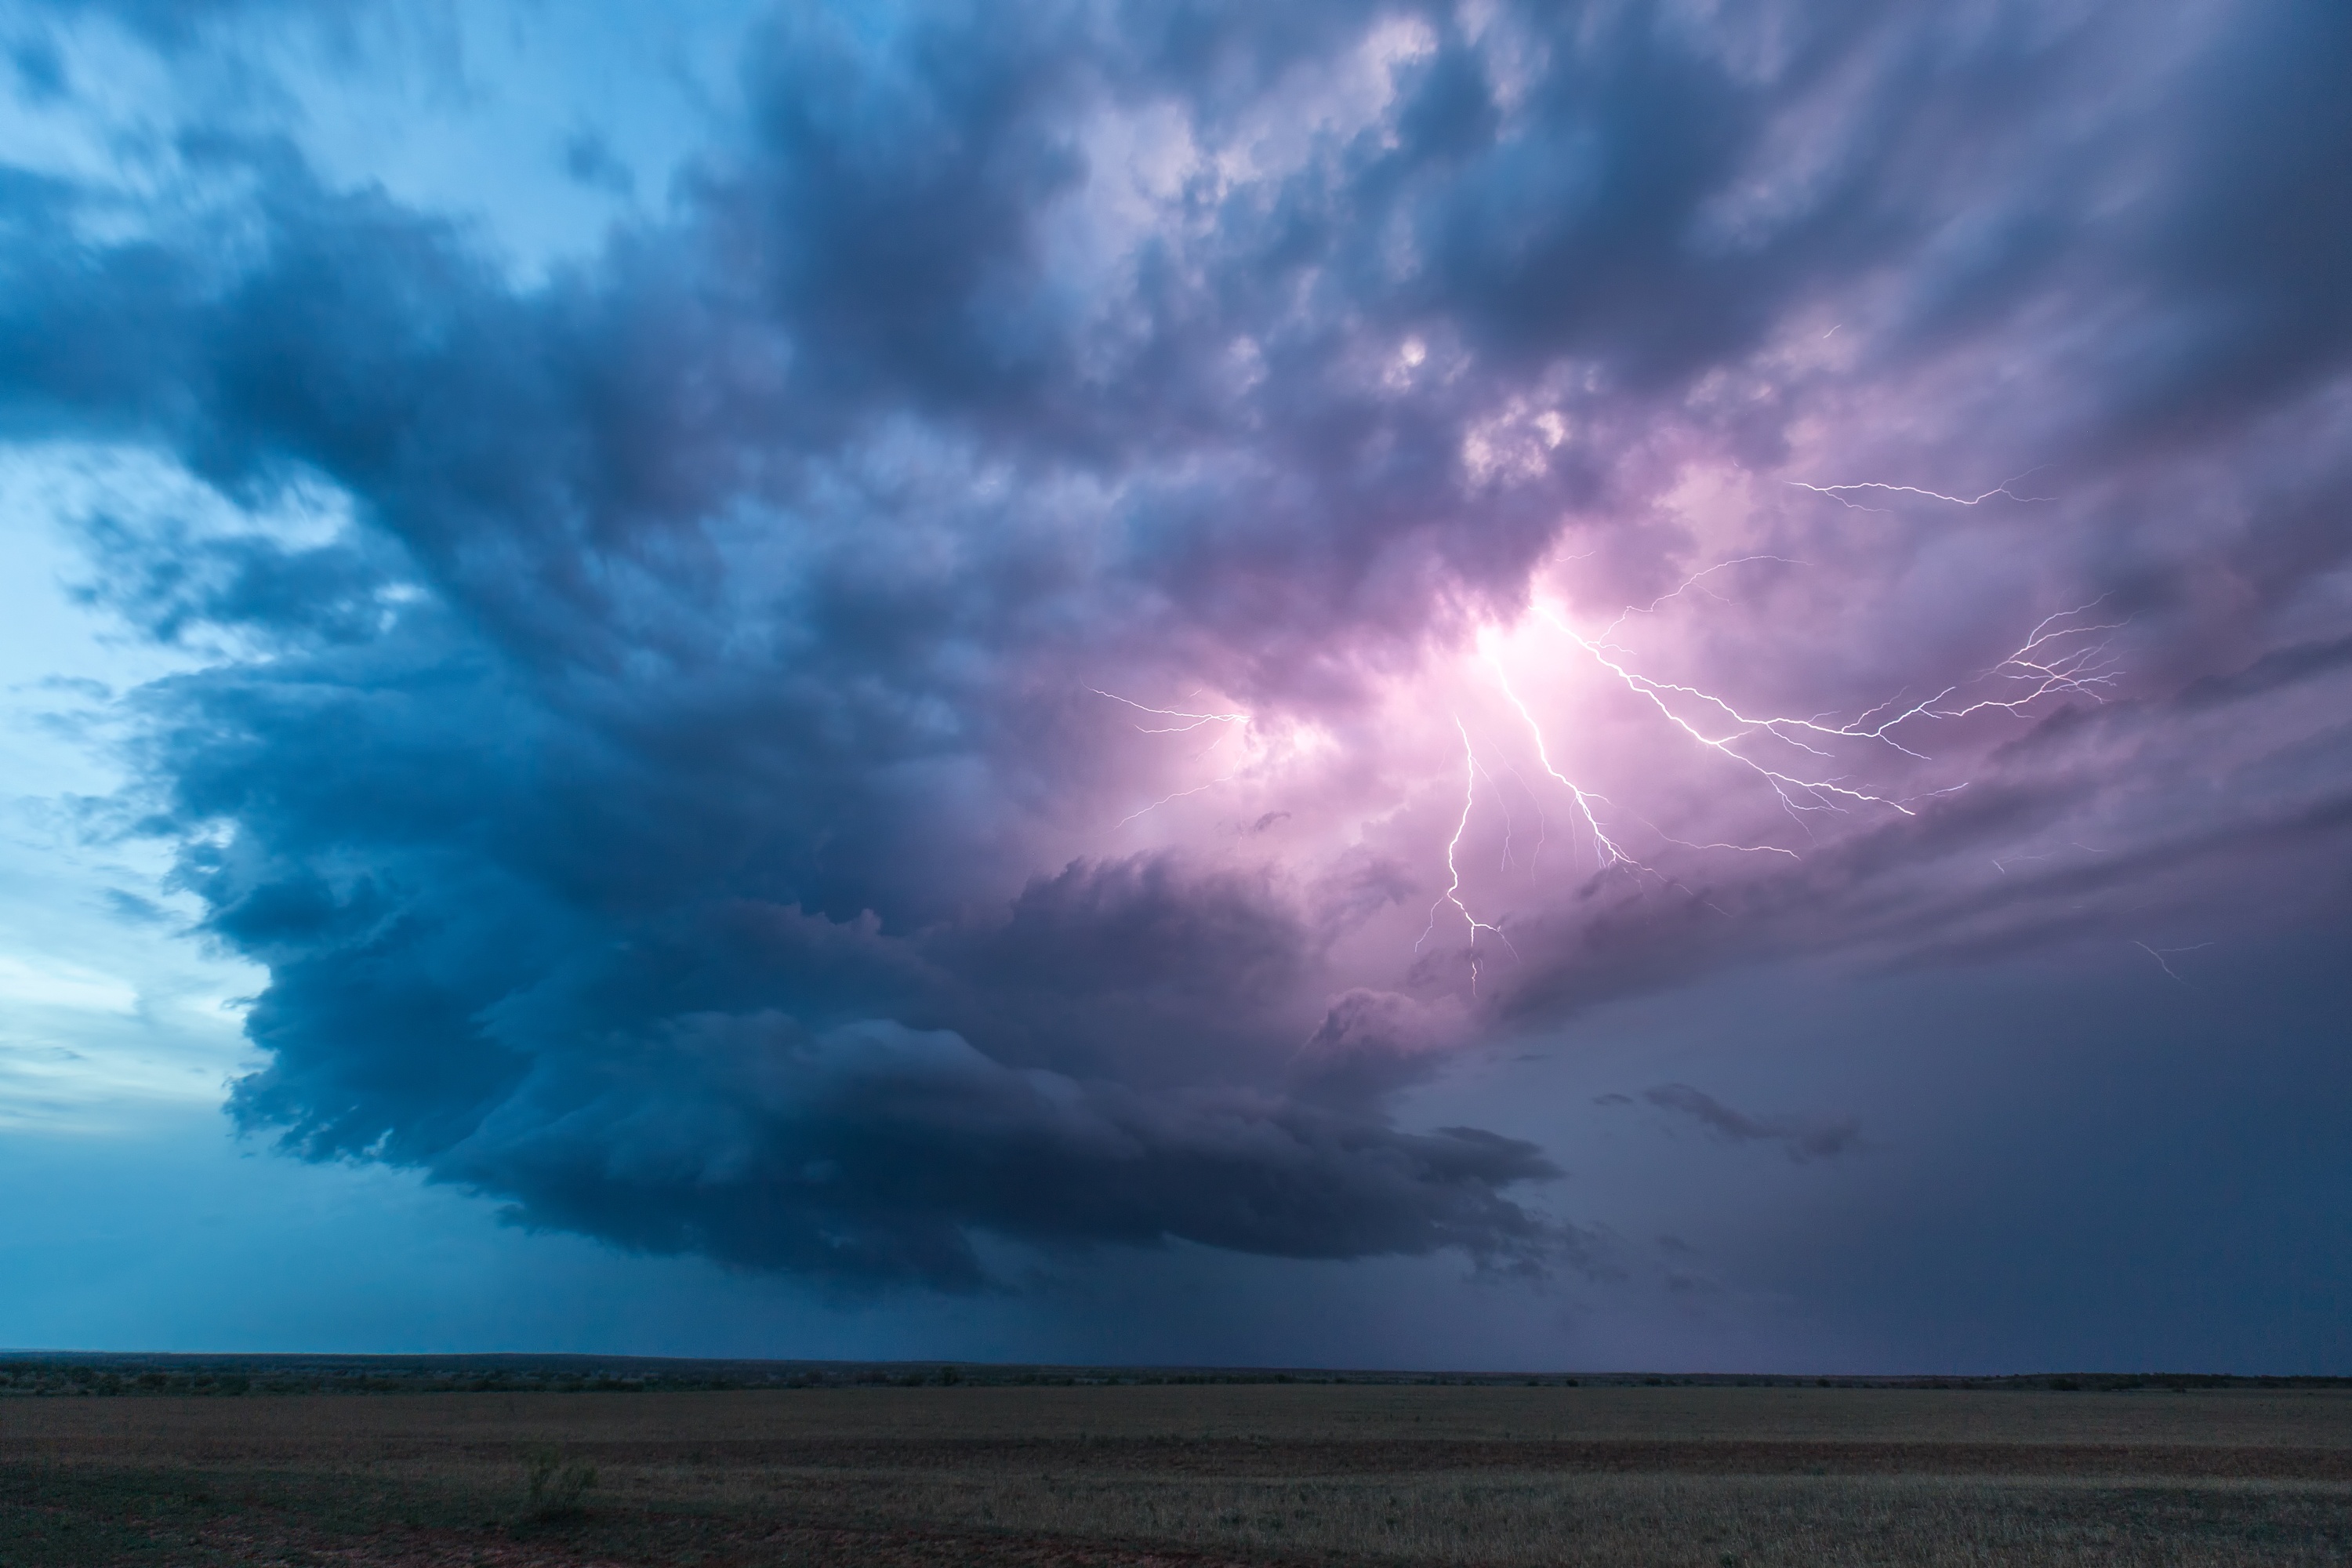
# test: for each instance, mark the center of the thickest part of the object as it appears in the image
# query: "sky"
(1553, 687)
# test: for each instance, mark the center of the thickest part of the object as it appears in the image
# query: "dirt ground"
(1100, 1476)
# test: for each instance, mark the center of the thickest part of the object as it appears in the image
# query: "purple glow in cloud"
(1111, 589)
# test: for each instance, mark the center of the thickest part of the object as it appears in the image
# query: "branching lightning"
(1606, 848)
(1453, 893)
(2079, 670)
(2161, 955)
(1795, 794)
(2065, 654)
(1693, 581)
(1838, 492)
(1192, 721)
(2043, 663)
(2052, 658)
(1188, 722)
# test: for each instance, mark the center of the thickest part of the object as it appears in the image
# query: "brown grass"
(1701, 1476)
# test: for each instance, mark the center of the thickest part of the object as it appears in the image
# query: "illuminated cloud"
(1108, 588)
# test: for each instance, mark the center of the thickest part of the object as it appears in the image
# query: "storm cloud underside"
(921, 698)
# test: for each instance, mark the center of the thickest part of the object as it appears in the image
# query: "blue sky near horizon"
(1477, 687)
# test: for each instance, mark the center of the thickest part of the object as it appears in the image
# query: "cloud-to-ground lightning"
(1453, 893)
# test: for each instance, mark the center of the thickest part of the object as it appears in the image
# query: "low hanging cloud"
(1113, 587)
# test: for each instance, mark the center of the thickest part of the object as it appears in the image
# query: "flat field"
(1626, 1477)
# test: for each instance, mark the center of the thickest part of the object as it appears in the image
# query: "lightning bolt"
(1838, 492)
(1795, 794)
(1683, 587)
(2064, 654)
(1604, 846)
(1453, 893)
(2161, 953)
(1741, 849)
(2049, 661)
(1180, 794)
(2082, 671)
(1190, 721)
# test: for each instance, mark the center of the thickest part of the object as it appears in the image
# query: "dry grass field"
(1626, 1476)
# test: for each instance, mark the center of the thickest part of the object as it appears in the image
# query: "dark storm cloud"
(874, 1153)
(655, 806)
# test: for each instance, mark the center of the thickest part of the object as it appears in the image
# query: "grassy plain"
(1626, 1477)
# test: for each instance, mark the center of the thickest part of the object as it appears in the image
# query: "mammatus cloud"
(1113, 588)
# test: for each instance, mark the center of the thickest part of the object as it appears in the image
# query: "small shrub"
(554, 1486)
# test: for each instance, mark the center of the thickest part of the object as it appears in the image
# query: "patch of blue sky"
(107, 1008)
(538, 126)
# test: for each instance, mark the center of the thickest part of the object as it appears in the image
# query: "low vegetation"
(1624, 1474)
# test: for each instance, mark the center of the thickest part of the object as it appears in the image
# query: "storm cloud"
(1108, 587)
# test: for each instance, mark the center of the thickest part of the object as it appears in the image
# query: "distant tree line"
(223, 1376)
